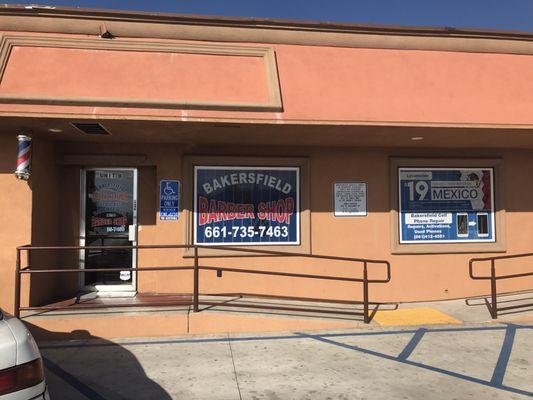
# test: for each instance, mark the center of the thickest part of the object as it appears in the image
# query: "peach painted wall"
(47, 221)
(133, 74)
(317, 83)
(415, 277)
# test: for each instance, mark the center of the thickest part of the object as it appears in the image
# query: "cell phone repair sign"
(246, 205)
(446, 205)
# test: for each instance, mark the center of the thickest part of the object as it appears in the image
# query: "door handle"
(132, 233)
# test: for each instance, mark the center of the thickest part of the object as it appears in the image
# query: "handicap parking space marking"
(498, 375)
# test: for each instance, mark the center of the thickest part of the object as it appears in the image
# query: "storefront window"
(246, 205)
(446, 205)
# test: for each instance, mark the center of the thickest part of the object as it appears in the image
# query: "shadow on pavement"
(106, 372)
(508, 303)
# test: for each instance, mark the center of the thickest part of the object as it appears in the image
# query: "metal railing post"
(494, 306)
(16, 304)
(196, 284)
(365, 293)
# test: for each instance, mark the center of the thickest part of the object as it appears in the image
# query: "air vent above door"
(90, 128)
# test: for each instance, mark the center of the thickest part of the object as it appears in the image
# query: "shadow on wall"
(8, 161)
(46, 218)
(103, 371)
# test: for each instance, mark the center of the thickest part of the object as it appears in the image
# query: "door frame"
(108, 289)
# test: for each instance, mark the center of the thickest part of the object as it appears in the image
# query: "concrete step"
(121, 322)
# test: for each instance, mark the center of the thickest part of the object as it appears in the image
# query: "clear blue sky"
(491, 14)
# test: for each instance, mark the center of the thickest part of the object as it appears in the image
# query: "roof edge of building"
(70, 20)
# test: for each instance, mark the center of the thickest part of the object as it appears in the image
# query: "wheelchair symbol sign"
(169, 195)
(169, 190)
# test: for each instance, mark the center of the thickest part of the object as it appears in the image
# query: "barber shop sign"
(246, 205)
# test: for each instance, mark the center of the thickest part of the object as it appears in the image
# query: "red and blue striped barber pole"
(23, 170)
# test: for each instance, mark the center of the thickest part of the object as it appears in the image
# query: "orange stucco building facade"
(337, 103)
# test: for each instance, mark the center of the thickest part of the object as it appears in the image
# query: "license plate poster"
(246, 205)
(446, 205)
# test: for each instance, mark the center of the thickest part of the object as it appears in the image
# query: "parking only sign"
(169, 195)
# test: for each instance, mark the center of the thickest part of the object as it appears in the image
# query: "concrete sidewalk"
(435, 350)
(460, 311)
(172, 321)
(439, 362)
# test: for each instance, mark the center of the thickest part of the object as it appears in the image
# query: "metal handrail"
(196, 268)
(493, 305)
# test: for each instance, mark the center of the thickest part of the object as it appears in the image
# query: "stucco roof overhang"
(191, 134)
(122, 24)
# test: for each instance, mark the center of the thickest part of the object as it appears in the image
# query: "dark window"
(482, 224)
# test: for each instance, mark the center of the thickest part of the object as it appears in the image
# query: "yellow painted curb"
(413, 316)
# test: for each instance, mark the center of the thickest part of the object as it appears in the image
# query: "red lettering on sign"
(249, 211)
(222, 215)
(289, 202)
(231, 211)
(271, 210)
(99, 221)
(216, 211)
(212, 216)
(280, 210)
(202, 206)
(261, 208)
(120, 221)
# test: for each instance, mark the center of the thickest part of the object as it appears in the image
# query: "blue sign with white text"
(246, 205)
(446, 205)
(169, 199)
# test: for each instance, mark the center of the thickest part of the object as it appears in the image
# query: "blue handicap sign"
(169, 197)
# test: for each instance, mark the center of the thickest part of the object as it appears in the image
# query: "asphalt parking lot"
(445, 362)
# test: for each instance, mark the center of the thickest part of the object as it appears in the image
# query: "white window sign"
(350, 199)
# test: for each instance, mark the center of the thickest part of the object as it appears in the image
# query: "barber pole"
(23, 170)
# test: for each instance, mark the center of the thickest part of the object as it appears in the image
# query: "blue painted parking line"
(505, 354)
(421, 365)
(410, 347)
(275, 337)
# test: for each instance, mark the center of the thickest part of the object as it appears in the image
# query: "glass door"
(108, 218)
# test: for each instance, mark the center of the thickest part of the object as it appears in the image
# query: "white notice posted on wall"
(350, 199)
